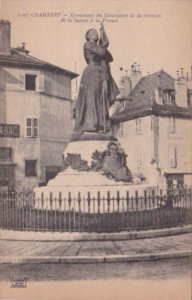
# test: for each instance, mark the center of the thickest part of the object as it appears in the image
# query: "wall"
(19, 105)
(55, 130)
(57, 84)
(55, 118)
(55, 122)
(22, 149)
(51, 155)
(133, 142)
(181, 139)
(155, 142)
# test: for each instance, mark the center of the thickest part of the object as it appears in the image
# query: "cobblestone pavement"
(164, 246)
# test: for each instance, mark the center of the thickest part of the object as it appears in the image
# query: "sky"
(155, 34)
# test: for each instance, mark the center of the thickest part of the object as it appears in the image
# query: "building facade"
(35, 115)
(155, 129)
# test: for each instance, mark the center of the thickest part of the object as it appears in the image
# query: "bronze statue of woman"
(98, 90)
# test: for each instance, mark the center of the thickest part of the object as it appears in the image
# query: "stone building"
(155, 128)
(35, 115)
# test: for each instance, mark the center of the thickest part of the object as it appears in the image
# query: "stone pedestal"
(86, 148)
(89, 182)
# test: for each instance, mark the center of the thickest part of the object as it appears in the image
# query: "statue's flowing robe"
(97, 90)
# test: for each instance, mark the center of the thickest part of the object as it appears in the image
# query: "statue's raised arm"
(98, 90)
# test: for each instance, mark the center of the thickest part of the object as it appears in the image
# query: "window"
(5, 153)
(139, 158)
(31, 127)
(6, 175)
(31, 168)
(120, 132)
(172, 157)
(30, 82)
(171, 125)
(139, 126)
(168, 97)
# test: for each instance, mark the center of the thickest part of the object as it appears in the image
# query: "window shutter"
(40, 83)
(35, 127)
(172, 157)
(139, 158)
(22, 81)
(28, 127)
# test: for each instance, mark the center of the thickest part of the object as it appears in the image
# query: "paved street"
(96, 251)
(143, 268)
(161, 269)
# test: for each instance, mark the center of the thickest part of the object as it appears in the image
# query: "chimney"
(22, 48)
(124, 84)
(135, 74)
(5, 37)
(159, 81)
(182, 73)
(181, 97)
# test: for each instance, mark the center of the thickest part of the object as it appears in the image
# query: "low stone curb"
(94, 259)
(75, 236)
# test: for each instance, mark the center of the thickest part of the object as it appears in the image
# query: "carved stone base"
(86, 148)
(74, 181)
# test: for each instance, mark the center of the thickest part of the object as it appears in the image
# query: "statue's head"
(112, 147)
(92, 34)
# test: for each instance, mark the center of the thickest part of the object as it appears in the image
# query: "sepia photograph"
(95, 149)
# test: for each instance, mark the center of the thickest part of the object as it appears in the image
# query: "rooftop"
(143, 102)
(20, 58)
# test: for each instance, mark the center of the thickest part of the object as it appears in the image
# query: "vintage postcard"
(95, 149)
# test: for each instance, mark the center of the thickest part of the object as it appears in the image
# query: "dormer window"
(168, 96)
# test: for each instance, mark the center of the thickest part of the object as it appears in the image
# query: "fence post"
(51, 206)
(98, 201)
(136, 209)
(42, 210)
(154, 208)
(108, 201)
(170, 197)
(118, 200)
(69, 201)
(79, 205)
(60, 203)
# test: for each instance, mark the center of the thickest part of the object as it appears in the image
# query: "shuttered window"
(139, 129)
(172, 157)
(171, 125)
(31, 82)
(32, 127)
(139, 158)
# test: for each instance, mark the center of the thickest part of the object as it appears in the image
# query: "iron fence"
(22, 210)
